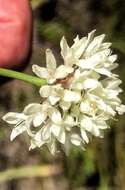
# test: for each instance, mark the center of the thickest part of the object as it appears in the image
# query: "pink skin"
(15, 32)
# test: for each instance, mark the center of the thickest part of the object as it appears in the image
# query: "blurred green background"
(102, 165)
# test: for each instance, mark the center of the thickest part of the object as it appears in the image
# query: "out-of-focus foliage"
(36, 3)
(52, 31)
(102, 165)
(30, 171)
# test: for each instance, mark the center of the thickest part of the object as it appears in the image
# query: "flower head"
(80, 98)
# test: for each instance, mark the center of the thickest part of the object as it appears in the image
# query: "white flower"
(33, 114)
(17, 119)
(52, 93)
(76, 139)
(71, 96)
(94, 125)
(84, 80)
(80, 97)
(97, 63)
(53, 129)
(52, 72)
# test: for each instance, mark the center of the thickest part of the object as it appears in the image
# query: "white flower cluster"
(80, 96)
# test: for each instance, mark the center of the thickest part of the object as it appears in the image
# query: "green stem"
(21, 76)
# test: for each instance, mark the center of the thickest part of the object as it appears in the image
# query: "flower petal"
(45, 91)
(90, 83)
(64, 105)
(52, 146)
(32, 109)
(45, 133)
(64, 47)
(55, 116)
(85, 107)
(90, 37)
(103, 71)
(39, 119)
(79, 46)
(69, 120)
(95, 44)
(120, 109)
(55, 129)
(14, 118)
(50, 61)
(84, 136)
(40, 71)
(62, 71)
(75, 139)
(17, 131)
(71, 96)
(37, 139)
(86, 123)
(101, 124)
(54, 99)
(62, 136)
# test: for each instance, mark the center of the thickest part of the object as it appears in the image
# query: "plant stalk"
(22, 76)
